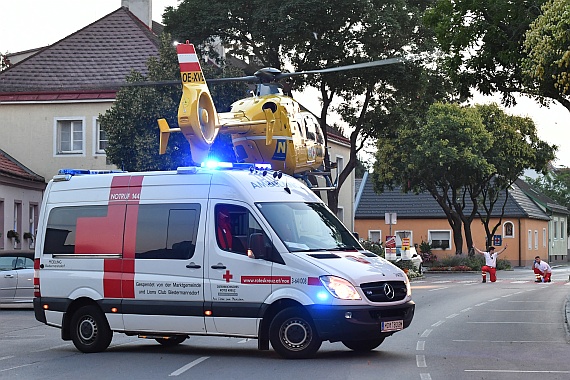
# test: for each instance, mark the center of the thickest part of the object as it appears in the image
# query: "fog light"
(348, 315)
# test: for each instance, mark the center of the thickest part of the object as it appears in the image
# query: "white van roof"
(242, 183)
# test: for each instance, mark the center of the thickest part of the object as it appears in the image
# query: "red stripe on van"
(118, 276)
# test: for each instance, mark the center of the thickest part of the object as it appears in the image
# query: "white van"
(233, 250)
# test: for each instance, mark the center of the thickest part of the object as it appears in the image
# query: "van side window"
(167, 231)
(62, 227)
(234, 226)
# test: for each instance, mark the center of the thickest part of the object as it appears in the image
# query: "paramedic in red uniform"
(490, 263)
(224, 229)
(541, 269)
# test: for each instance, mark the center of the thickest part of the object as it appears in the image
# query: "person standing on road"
(490, 262)
(542, 270)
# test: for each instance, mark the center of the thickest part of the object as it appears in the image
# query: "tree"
(459, 155)
(547, 44)
(131, 123)
(555, 185)
(4, 62)
(484, 43)
(313, 34)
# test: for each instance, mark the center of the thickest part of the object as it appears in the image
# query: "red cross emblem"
(228, 276)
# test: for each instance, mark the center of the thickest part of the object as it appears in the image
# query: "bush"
(474, 263)
(373, 247)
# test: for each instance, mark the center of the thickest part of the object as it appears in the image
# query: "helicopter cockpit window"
(234, 227)
(307, 227)
(311, 128)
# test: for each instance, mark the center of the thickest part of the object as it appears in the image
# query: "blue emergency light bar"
(86, 171)
(234, 165)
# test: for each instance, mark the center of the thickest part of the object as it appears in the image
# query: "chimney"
(140, 8)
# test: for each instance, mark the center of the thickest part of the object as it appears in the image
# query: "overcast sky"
(28, 24)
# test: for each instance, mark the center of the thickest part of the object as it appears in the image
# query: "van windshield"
(308, 227)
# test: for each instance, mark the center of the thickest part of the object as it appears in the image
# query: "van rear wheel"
(90, 331)
(293, 334)
(171, 341)
(363, 345)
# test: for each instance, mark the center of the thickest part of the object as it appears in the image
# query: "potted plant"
(29, 235)
(12, 234)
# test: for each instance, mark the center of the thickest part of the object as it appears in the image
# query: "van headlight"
(340, 288)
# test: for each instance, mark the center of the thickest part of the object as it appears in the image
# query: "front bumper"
(333, 324)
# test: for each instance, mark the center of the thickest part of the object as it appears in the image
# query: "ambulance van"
(229, 250)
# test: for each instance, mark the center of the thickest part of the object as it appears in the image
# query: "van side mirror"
(256, 249)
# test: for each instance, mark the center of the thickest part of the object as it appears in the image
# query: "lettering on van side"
(265, 279)
(54, 264)
(165, 288)
(264, 184)
(124, 196)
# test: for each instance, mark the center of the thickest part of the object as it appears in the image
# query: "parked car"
(16, 277)
(416, 259)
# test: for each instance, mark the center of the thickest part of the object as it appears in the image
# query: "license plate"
(392, 326)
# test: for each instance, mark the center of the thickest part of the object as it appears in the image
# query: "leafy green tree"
(313, 34)
(4, 62)
(459, 155)
(131, 123)
(484, 45)
(547, 44)
(555, 185)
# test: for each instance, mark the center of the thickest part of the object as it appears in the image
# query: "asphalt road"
(463, 329)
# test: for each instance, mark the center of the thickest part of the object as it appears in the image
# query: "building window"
(69, 136)
(535, 239)
(401, 235)
(340, 214)
(339, 165)
(508, 230)
(33, 222)
(562, 229)
(555, 229)
(100, 138)
(2, 223)
(529, 238)
(440, 239)
(544, 237)
(18, 222)
(375, 236)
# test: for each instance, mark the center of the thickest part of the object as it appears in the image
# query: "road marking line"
(433, 290)
(16, 367)
(425, 376)
(243, 341)
(511, 371)
(7, 357)
(426, 333)
(481, 304)
(529, 323)
(452, 316)
(188, 366)
(51, 348)
(503, 341)
(421, 361)
(494, 299)
(465, 310)
(420, 345)
(439, 323)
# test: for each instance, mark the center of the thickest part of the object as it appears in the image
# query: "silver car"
(16, 277)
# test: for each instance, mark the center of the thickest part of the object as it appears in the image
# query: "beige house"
(21, 192)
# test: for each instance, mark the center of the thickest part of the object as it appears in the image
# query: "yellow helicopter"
(269, 127)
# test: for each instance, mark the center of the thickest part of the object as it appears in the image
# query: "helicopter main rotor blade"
(355, 66)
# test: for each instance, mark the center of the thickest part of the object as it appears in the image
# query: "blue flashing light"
(87, 171)
(212, 164)
(323, 295)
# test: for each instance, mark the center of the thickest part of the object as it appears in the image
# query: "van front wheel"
(293, 334)
(90, 331)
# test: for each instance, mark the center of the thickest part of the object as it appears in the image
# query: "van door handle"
(12, 276)
(193, 266)
(219, 266)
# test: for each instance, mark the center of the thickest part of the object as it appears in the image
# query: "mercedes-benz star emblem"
(389, 291)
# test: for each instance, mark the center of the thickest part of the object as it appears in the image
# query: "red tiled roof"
(12, 168)
(92, 58)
